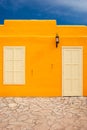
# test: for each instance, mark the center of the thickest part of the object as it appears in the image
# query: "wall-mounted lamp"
(57, 40)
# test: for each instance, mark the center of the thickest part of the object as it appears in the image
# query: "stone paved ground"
(60, 113)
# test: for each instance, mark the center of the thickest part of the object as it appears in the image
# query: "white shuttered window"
(14, 65)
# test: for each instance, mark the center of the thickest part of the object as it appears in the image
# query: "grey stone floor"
(57, 113)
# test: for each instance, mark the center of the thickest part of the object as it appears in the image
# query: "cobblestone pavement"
(57, 113)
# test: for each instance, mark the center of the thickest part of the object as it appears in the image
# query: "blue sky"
(72, 12)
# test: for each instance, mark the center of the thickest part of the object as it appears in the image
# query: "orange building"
(40, 58)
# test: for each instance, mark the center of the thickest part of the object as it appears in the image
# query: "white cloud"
(77, 5)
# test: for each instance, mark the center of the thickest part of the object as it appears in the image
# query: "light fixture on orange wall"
(57, 40)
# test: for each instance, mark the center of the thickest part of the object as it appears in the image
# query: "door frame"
(73, 47)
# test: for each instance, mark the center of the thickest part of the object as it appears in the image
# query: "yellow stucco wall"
(43, 59)
(75, 36)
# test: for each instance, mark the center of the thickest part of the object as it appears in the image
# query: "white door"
(72, 76)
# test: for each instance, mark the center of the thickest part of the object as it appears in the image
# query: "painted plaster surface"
(59, 113)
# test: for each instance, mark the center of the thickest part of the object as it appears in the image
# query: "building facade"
(40, 58)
